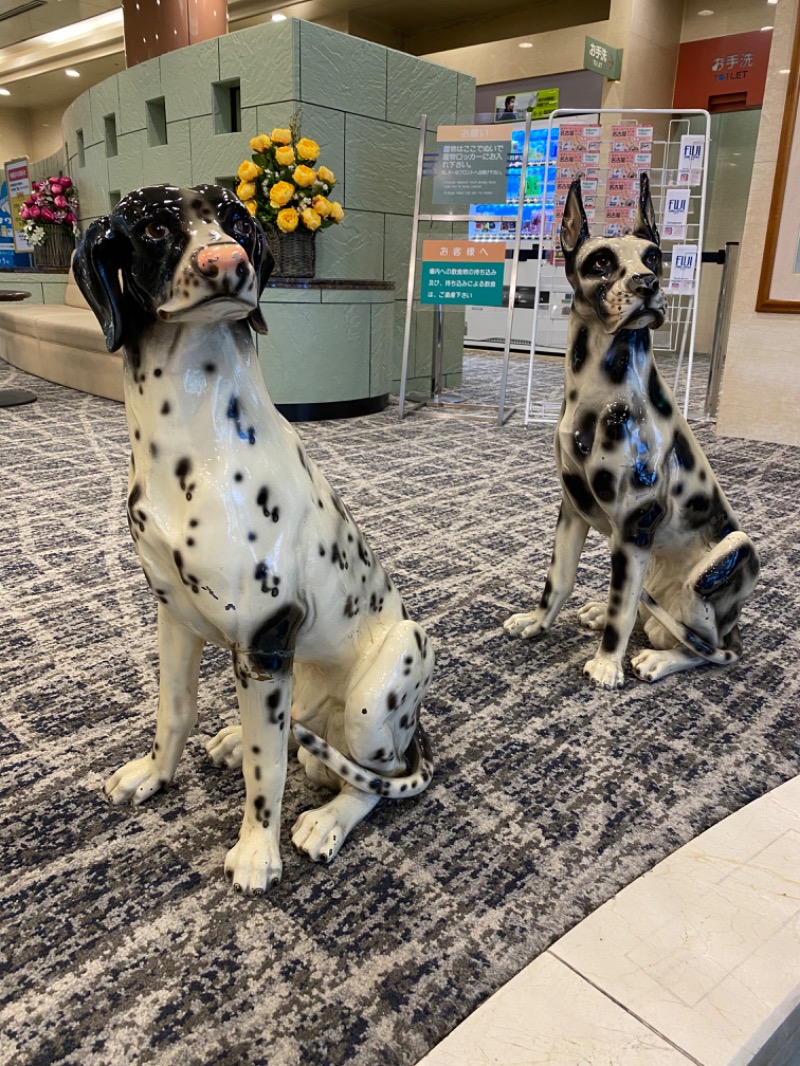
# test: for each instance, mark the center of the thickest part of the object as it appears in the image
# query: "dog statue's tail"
(416, 779)
(693, 641)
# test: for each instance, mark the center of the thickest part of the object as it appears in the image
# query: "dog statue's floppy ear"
(644, 225)
(574, 225)
(263, 264)
(96, 266)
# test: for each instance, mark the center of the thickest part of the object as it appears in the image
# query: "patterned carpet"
(122, 942)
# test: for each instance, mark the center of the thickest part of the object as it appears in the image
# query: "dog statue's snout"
(644, 284)
(215, 259)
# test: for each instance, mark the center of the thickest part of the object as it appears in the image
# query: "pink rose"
(35, 211)
(56, 189)
(65, 182)
(36, 186)
(70, 218)
(60, 201)
(47, 215)
(24, 213)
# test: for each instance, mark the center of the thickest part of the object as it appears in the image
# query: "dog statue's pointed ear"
(644, 225)
(263, 263)
(96, 266)
(574, 224)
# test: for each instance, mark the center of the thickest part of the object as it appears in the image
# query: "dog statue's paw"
(528, 625)
(225, 749)
(605, 672)
(318, 834)
(592, 615)
(136, 781)
(653, 664)
(254, 864)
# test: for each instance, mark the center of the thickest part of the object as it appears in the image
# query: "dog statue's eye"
(652, 260)
(602, 265)
(241, 227)
(156, 231)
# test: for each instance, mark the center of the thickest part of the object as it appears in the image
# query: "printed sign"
(602, 59)
(6, 229)
(462, 272)
(19, 189)
(512, 107)
(682, 270)
(715, 67)
(676, 214)
(690, 164)
(471, 165)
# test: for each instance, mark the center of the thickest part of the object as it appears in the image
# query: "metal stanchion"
(722, 327)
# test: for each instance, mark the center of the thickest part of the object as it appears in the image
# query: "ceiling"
(34, 53)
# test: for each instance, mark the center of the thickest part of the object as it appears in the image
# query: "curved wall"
(360, 101)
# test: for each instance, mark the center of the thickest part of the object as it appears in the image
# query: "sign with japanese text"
(723, 73)
(471, 164)
(682, 269)
(602, 59)
(462, 272)
(19, 189)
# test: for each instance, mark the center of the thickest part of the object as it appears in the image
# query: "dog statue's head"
(616, 279)
(173, 255)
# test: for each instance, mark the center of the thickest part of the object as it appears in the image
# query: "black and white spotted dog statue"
(631, 468)
(243, 541)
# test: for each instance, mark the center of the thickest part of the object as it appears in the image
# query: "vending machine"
(485, 327)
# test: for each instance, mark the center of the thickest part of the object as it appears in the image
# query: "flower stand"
(57, 249)
(294, 253)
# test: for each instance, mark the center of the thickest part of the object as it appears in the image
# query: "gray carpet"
(121, 940)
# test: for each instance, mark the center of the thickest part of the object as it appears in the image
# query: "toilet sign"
(463, 272)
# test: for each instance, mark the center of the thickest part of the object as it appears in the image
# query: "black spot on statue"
(579, 492)
(628, 346)
(584, 435)
(272, 643)
(546, 593)
(683, 451)
(604, 486)
(619, 572)
(640, 526)
(615, 423)
(182, 470)
(610, 640)
(657, 393)
(579, 350)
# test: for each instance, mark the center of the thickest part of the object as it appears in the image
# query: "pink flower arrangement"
(53, 202)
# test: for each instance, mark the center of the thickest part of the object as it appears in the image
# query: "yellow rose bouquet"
(284, 186)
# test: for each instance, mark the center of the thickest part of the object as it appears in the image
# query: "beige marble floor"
(698, 962)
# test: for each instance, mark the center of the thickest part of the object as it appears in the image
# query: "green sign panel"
(471, 172)
(464, 283)
(602, 59)
(543, 102)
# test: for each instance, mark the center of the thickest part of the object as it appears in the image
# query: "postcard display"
(608, 150)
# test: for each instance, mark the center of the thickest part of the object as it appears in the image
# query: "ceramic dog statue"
(631, 468)
(243, 541)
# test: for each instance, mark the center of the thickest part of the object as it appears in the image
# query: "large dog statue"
(631, 468)
(243, 541)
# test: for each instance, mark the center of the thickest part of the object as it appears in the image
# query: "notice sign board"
(463, 272)
(471, 164)
(19, 189)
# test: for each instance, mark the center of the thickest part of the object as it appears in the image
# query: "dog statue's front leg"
(571, 530)
(254, 863)
(628, 568)
(179, 653)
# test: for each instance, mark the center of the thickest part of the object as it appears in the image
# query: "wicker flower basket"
(57, 249)
(293, 253)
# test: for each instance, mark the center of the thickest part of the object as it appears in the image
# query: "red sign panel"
(723, 73)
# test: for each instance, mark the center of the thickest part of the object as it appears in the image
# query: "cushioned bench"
(61, 343)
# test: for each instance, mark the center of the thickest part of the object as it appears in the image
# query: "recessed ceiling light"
(766, 28)
(526, 44)
(772, 1)
(4, 92)
(785, 71)
(705, 11)
(278, 17)
(71, 73)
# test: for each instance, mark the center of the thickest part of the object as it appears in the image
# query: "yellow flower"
(284, 155)
(322, 206)
(287, 220)
(326, 175)
(248, 171)
(246, 190)
(281, 193)
(337, 214)
(251, 206)
(260, 143)
(307, 149)
(304, 176)
(279, 136)
(311, 219)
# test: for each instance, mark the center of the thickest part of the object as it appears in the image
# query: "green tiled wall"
(359, 100)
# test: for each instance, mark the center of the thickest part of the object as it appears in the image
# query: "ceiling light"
(766, 27)
(785, 71)
(4, 92)
(81, 29)
(278, 17)
(71, 73)
(705, 11)
(772, 1)
(526, 44)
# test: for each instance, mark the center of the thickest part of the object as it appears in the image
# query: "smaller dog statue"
(631, 468)
(243, 541)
